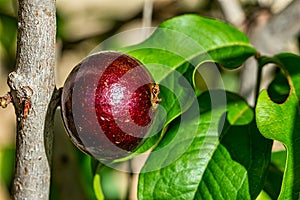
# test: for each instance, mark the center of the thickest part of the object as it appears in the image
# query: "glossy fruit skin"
(108, 104)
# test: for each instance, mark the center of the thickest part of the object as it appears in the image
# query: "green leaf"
(86, 173)
(249, 148)
(278, 159)
(110, 183)
(275, 174)
(202, 167)
(281, 121)
(263, 196)
(183, 41)
(97, 184)
(7, 160)
(245, 143)
(239, 113)
(8, 39)
(273, 181)
(279, 88)
(175, 49)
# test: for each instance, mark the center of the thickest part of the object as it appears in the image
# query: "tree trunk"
(32, 86)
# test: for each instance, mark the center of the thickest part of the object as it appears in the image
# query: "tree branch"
(233, 11)
(32, 86)
(272, 37)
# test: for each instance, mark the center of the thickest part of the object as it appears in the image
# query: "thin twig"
(258, 80)
(147, 16)
(5, 100)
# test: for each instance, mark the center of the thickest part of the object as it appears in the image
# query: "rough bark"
(32, 86)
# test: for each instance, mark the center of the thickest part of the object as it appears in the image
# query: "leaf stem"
(258, 78)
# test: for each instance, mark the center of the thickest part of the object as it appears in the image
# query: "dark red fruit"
(108, 104)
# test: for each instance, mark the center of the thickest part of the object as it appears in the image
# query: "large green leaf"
(275, 174)
(202, 167)
(181, 42)
(248, 147)
(173, 52)
(281, 121)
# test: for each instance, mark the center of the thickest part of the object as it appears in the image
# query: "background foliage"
(72, 171)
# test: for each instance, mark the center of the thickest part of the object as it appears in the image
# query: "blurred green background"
(81, 27)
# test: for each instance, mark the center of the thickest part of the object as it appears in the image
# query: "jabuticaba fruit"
(108, 104)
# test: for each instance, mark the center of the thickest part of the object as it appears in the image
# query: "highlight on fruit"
(109, 103)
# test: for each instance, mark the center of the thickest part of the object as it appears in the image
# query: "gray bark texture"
(32, 87)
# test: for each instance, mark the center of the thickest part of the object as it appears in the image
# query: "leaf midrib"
(209, 51)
